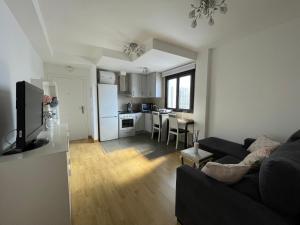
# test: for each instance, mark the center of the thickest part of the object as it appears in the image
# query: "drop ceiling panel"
(154, 60)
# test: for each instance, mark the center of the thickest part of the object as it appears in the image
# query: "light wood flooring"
(122, 187)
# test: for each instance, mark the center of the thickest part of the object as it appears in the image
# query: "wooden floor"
(122, 187)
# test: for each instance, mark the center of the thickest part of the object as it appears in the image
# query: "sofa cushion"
(257, 156)
(228, 160)
(262, 142)
(279, 179)
(222, 147)
(249, 185)
(227, 173)
(294, 137)
(248, 142)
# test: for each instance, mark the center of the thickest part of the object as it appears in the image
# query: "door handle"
(82, 109)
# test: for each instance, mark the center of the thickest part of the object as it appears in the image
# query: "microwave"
(146, 107)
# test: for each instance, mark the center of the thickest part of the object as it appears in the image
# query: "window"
(172, 93)
(180, 91)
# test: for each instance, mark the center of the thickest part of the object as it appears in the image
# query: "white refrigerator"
(108, 111)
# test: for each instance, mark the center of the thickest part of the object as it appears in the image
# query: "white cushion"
(257, 156)
(227, 173)
(262, 142)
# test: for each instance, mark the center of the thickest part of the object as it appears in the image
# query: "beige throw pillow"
(257, 156)
(262, 142)
(227, 173)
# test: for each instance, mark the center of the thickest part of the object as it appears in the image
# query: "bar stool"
(174, 129)
(156, 125)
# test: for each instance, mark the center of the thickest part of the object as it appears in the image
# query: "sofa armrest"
(202, 200)
(248, 142)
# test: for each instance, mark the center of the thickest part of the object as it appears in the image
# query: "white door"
(72, 103)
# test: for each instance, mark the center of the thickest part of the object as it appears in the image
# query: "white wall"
(18, 61)
(93, 102)
(255, 85)
(201, 84)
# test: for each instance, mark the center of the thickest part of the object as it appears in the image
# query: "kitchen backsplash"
(136, 102)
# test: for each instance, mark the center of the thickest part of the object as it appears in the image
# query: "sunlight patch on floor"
(122, 187)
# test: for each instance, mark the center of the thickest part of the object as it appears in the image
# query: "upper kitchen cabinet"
(154, 85)
(146, 86)
(136, 83)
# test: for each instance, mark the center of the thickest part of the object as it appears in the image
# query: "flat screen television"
(29, 105)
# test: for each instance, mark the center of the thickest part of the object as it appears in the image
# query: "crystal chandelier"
(207, 8)
(133, 49)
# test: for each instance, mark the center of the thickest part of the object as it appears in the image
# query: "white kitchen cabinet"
(139, 122)
(148, 122)
(154, 81)
(146, 86)
(135, 85)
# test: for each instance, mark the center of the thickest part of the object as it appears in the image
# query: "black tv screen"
(29, 113)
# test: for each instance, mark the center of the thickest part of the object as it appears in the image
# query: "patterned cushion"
(262, 142)
(257, 156)
(227, 173)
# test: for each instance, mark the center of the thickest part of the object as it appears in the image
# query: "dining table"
(184, 122)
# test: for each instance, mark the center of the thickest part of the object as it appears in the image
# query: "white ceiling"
(154, 60)
(82, 29)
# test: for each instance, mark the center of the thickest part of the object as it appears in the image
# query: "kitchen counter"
(125, 112)
(149, 112)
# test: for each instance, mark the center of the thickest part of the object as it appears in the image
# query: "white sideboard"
(34, 185)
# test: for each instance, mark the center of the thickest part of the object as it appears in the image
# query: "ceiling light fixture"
(70, 68)
(207, 8)
(133, 49)
(145, 70)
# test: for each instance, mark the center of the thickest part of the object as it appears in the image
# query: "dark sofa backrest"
(279, 179)
(294, 137)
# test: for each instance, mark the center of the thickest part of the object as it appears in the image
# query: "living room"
(244, 97)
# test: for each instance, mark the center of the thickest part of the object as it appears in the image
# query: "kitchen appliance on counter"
(108, 111)
(126, 125)
(164, 111)
(146, 107)
(129, 107)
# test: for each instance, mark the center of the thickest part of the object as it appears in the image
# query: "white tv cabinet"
(34, 185)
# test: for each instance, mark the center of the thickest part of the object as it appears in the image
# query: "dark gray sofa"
(269, 195)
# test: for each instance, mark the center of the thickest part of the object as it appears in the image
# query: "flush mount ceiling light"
(145, 70)
(133, 49)
(69, 68)
(207, 8)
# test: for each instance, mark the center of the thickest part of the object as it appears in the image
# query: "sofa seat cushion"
(263, 142)
(249, 185)
(228, 160)
(279, 179)
(222, 147)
